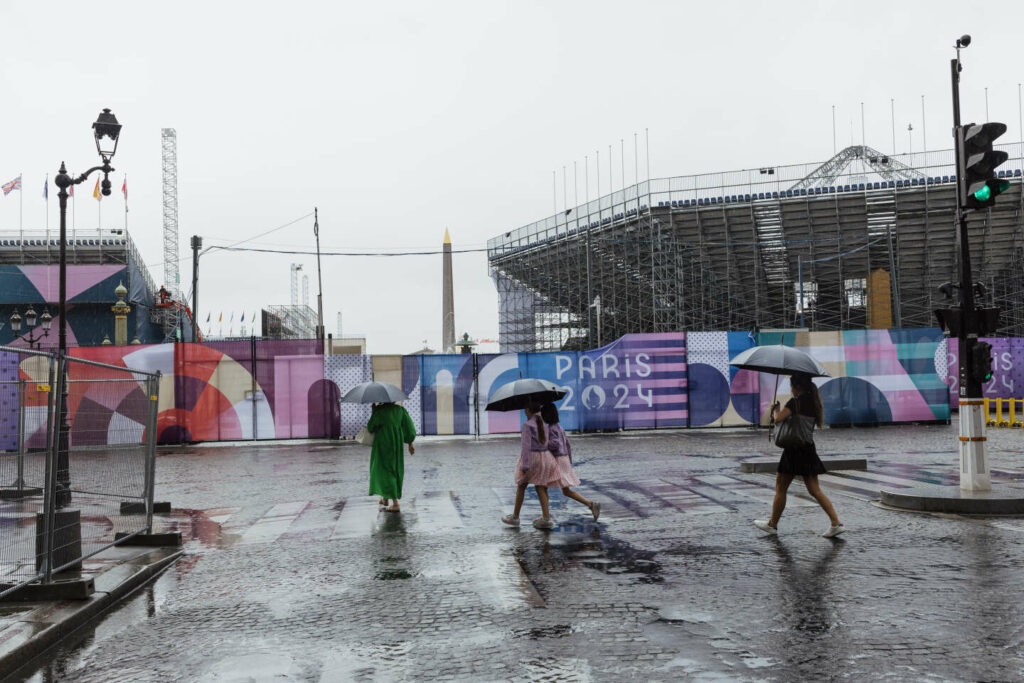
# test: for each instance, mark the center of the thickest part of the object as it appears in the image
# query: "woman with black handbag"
(799, 456)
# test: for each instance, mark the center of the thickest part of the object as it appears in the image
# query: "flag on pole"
(96, 191)
(12, 186)
(232, 317)
(243, 316)
(220, 318)
(208, 317)
(71, 191)
(46, 188)
(124, 188)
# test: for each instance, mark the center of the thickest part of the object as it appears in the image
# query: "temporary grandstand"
(97, 262)
(863, 240)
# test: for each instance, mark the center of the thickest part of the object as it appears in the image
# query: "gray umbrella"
(374, 392)
(779, 360)
(516, 395)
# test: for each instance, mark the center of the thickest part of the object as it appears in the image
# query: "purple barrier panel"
(286, 372)
(9, 401)
(637, 381)
(1007, 369)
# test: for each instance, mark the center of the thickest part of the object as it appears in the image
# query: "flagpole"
(46, 196)
(21, 201)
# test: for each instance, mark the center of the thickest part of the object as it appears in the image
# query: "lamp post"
(106, 131)
(30, 320)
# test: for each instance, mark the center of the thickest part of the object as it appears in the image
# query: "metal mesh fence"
(104, 483)
(26, 405)
(71, 488)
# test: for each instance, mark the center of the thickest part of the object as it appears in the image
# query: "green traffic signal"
(979, 185)
(992, 188)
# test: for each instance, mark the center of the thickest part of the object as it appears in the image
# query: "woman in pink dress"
(536, 466)
(559, 446)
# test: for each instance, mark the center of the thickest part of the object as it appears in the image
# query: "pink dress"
(542, 470)
(559, 446)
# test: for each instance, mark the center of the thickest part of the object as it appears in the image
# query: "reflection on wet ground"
(293, 572)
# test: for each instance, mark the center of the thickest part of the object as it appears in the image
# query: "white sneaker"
(834, 531)
(542, 523)
(511, 520)
(764, 526)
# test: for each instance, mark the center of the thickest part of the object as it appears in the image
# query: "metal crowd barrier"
(1012, 418)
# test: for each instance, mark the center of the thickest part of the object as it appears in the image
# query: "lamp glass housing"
(106, 130)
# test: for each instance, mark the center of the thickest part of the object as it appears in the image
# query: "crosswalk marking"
(357, 518)
(764, 493)
(274, 523)
(221, 515)
(435, 511)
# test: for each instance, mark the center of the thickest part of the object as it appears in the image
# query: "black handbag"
(795, 431)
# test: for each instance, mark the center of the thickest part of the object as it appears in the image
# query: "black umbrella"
(374, 392)
(520, 393)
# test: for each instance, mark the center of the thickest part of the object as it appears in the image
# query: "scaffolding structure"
(859, 241)
(289, 322)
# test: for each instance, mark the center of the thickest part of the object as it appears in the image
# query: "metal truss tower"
(169, 159)
(296, 267)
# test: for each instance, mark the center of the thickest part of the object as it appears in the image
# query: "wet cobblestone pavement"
(291, 572)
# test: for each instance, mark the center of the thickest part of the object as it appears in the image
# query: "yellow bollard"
(989, 422)
(1014, 422)
(1000, 422)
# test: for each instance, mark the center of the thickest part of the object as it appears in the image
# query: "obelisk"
(447, 298)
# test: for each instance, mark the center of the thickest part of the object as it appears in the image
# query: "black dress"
(801, 460)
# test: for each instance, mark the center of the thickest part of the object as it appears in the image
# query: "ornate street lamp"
(107, 132)
(30, 320)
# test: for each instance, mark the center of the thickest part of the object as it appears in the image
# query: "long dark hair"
(549, 413)
(534, 410)
(806, 386)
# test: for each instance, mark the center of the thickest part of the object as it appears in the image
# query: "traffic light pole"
(974, 472)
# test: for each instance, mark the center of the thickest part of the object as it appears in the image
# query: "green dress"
(392, 428)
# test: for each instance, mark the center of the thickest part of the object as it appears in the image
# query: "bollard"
(989, 422)
(1014, 422)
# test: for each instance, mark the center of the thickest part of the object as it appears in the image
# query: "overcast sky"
(398, 119)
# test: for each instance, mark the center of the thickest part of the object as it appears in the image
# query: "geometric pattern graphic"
(283, 389)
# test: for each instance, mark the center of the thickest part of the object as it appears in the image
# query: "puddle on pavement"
(594, 549)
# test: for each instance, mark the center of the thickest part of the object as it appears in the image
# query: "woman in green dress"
(391, 427)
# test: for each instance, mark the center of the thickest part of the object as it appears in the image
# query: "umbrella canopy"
(374, 392)
(516, 395)
(779, 360)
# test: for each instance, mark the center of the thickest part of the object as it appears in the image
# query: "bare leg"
(394, 507)
(782, 482)
(520, 493)
(542, 495)
(569, 493)
(814, 488)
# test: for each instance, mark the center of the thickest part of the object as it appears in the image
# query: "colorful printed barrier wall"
(877, 376)
(286, 389)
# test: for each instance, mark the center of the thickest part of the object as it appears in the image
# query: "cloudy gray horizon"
(399, 120)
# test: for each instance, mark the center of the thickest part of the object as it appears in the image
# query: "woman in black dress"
(801, 460)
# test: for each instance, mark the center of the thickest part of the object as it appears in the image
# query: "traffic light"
(979, 185)
(981, 362)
